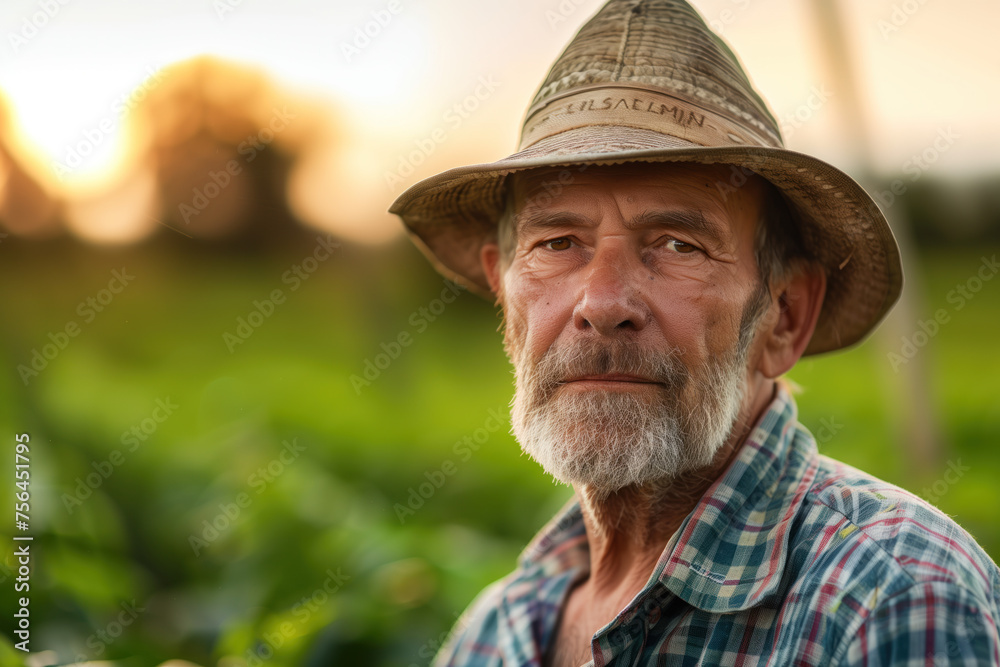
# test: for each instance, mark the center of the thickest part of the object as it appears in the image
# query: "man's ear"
(489, 256)
(789, 330)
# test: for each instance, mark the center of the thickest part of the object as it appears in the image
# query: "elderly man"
(661, 260)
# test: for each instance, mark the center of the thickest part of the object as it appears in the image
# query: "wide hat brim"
(648, 81)
(451, 215)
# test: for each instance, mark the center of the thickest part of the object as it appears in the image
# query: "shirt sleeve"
(473, 639)
(928, 624)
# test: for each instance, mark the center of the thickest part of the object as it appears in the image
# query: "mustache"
(605, 357)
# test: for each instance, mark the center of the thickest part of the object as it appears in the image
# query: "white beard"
(609, 440)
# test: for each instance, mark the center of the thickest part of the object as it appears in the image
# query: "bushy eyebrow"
(689, 220)
(546, 220)
(693, 221)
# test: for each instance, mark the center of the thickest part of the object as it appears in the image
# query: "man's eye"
(681, 247)
(559, 244)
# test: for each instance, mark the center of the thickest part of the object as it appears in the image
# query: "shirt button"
(654, 616)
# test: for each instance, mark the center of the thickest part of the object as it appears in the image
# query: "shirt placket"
(622, 642)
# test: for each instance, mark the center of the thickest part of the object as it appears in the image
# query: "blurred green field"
(314, 561)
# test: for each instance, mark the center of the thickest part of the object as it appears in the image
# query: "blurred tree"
(222, 142)
(26, 208)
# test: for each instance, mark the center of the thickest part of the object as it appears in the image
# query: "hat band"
(639, 108)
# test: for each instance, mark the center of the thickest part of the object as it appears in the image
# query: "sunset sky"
(924, 67)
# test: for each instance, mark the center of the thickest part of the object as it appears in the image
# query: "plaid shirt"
(790, 558)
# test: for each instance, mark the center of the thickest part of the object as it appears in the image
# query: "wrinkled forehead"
(722, 190)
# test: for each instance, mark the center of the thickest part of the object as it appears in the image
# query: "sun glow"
(383, 72)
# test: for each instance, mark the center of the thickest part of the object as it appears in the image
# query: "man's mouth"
(610, 379)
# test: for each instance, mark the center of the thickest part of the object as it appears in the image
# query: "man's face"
(631, 302)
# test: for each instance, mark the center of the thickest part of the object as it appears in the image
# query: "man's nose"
(610, 298)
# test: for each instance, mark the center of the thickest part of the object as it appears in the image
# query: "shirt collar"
(730, 552)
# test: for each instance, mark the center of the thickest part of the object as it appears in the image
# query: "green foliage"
(282, 512)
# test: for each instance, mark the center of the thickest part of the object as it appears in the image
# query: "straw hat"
(647, 81)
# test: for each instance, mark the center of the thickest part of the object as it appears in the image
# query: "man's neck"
(628, 530)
